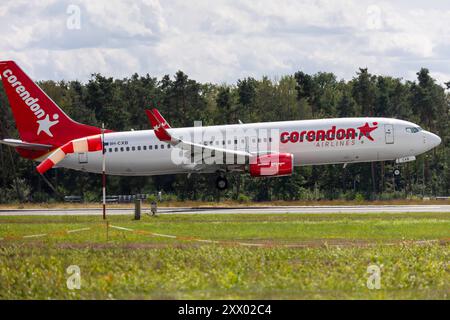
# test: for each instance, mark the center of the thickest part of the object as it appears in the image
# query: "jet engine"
(272, 165)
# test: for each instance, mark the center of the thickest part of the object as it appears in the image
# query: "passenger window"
(144, 147)
(150, 147)
(133, 148)
(128, 148)
(121, 149)
(110, 149)
(139, 148)
(162, 146)
(116, 149)
(235, 141)
(156, 146)
(168, 146)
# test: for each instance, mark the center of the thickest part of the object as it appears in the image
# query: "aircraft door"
(251, 144)
(389, 133)
(83, 157)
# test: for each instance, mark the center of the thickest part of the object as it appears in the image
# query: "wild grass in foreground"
(328, 258)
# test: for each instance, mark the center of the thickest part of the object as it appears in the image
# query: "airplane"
(269, 149)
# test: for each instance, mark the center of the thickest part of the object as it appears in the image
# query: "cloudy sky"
(222, 41)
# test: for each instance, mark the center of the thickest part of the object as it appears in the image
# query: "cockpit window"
(413, 129)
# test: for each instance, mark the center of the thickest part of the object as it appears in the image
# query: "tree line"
(120, 104)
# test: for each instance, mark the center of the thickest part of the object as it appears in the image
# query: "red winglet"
(159, 128)
(151, 117)
(161, 119)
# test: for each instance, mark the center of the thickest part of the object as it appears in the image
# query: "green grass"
(303, 257)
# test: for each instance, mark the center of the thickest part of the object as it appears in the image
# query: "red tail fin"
(38, 118)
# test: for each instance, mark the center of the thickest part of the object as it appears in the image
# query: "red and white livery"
(49, 136)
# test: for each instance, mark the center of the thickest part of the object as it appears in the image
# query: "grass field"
(255, 256)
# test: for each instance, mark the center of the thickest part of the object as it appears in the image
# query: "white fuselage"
(312, 142)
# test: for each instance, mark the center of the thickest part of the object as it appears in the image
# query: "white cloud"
(222, 40)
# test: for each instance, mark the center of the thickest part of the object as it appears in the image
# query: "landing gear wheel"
(221, 183)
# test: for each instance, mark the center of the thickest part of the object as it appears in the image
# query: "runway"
(366, 209)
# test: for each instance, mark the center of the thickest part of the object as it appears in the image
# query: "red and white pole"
(104, 171)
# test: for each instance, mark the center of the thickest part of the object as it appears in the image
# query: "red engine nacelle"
(270, 165)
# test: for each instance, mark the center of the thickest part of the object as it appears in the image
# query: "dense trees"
(120, 104)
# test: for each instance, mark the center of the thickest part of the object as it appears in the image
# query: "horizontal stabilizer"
(25, 145)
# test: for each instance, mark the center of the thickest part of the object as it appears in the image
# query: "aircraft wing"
(203, 152)
(25, 145)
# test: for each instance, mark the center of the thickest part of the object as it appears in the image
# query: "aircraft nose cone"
(434, 139)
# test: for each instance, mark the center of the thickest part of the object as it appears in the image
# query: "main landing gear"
(221, 183)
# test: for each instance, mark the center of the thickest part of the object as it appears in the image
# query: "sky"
(223, 41)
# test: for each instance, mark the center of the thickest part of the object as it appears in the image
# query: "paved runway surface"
(236, 210)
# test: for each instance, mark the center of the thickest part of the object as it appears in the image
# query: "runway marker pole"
(104, 171)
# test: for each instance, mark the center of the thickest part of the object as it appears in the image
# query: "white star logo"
(46, 124)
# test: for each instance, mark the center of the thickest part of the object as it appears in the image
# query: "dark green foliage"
(120, 104)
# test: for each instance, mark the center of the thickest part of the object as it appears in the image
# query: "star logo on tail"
(46, 124)
(365, 130)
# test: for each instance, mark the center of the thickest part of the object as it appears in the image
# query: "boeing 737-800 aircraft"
(52, 138)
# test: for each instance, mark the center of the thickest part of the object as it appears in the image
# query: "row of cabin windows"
(138, 148)
(162, 146)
